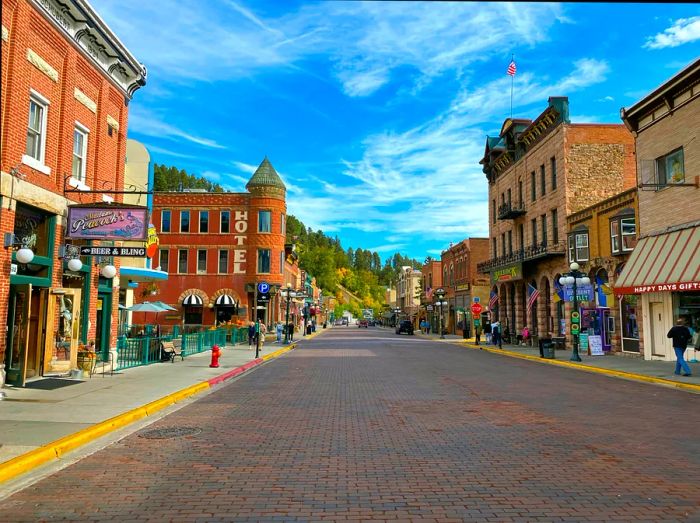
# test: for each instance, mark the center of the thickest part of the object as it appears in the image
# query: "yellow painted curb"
(587, 368)
(55, 449)
(279, 352)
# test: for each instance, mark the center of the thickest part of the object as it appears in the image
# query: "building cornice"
(79, 22)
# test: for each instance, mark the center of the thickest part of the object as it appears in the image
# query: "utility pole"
(257, 325)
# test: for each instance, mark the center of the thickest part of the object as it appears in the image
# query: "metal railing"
(508, 211)
(539, 250)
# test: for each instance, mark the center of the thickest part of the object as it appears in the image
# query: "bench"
(171, 350)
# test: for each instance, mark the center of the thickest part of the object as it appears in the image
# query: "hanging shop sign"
(507, 273)
(152, 241)
(583, 292)
(133, 252)
(107, 223)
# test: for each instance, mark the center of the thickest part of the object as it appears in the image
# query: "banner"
(583, 292)
(107, 223)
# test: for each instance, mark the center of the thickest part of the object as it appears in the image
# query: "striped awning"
(192, 299)
(224, 300)
(666, 262)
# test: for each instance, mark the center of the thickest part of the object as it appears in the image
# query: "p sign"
(263, 287)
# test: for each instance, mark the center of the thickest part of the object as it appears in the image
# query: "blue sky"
(375, 114)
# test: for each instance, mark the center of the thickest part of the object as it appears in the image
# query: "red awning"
(667, 262)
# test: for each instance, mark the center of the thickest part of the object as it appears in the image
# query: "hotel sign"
(507, 273)
(107, 223)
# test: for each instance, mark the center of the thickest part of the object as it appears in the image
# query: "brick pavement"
(359, 426)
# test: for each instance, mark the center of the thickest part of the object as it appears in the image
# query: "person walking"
(680, 335)
(496, 334)
(278, 329)
(487, 331)
(251, 335)
(263, 331)
(290, 330)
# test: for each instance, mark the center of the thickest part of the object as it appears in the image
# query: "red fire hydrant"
(215, 355)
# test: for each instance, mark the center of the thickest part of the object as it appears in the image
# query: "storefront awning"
(224, 300)
(193, 299)
(663, 263)
(141, 274)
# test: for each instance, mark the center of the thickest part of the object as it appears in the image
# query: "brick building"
(462, 281)
(609, 229)
(216, 248)
(663, 273)
(539, 172)
(431, 278)
(66, 83)
(408, 293)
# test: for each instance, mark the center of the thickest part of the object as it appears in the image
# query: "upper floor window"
(264, 224)
(184, 221)
(544, 228)
(203, 221)
(555, 226)
(263, 261)
(164, 261)
(493, 247)
(543, 182)
(493, 210)
(225, 221)
(283, 224)
(36, 129)
(533, 223)
(578, 246)
(520, 193)
(623, 232)
(670, 168)
(533, 186)
(201, 261)
(80, 143)
(223, 262)
(165, 221)
(182, 261)
(553, 166)
(282, 261)
(452, 274)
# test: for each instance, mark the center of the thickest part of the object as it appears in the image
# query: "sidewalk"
(39, 425)
(651, 371)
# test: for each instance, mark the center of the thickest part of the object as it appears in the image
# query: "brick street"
(360, 425)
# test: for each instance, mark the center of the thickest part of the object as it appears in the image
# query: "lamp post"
(397, 311)
(440, 293)
(574, 278)
(288, 294)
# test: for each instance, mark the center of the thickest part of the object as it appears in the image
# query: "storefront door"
(658, 336)
(103, 322)
(62, 330)
(18, 333)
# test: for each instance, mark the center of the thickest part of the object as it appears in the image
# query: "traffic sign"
(477, 299)
(574, 328)
(575, 317)
(476, 308)
(263, 287)
(263, 297)
(135, 252)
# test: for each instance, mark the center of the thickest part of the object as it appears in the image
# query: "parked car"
(405, 326)
(363, 323)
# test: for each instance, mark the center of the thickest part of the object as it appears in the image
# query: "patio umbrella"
(146, 306)
(164, 306)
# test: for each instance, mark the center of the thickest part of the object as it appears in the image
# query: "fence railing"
(146, 349)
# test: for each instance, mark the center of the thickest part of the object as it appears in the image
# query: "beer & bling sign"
(107, 223)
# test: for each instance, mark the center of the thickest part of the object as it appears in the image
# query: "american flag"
(493, 300)
(511, 68)
(532, 295)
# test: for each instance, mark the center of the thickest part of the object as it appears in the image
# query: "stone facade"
(539, 172)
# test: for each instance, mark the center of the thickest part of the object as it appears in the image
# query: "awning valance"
(664, 262)
(224, 300)
(193, 299)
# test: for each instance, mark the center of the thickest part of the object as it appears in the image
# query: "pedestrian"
(496, 334)
(487, 331)
(680, 335)
(526, 335)
(477, 334)
(261, 334)
(251, 334)
(290, 330)
(278, 329)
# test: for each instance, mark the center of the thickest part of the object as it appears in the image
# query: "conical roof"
(265, 175)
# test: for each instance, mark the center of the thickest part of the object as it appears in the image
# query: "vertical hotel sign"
(107, 223)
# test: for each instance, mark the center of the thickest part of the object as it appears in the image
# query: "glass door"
(18, 333)
(63, 330)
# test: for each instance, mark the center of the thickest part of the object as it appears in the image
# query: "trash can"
(546, 348)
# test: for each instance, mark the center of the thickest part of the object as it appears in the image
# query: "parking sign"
(263, 287)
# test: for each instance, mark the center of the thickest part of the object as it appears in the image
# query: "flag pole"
(512, 79)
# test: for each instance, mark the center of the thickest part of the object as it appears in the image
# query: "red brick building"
(66, 83)
(216, 248)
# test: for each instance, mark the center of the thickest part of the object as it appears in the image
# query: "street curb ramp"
(56, 449)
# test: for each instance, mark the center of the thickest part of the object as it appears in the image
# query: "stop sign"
(476, 308)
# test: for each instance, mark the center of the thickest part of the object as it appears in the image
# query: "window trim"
(83, 130)
(617, 220)
(38, 163)
(170, 220)
(573, 247)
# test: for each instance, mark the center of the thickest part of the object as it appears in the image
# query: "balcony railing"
(508, 211)
(533, 252)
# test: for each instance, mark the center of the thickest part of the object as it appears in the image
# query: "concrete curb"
(54, 450)
(587, 368)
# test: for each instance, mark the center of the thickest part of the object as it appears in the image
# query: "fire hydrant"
(215, 355)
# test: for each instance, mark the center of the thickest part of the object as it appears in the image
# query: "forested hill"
(360, 271)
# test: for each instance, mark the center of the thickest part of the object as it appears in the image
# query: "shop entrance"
(658, 336)
(103, 322)
(18, 324)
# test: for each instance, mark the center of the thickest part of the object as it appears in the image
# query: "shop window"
(578, 246)
(629, 308)
(165, 221)
(203, 221)
(670, 168)
(80, 144)
(223, 262)
(263, 261)
(201, 261)
(623, 234)
(686, 306)
(264, 224)
(225, 221)
(184, 221)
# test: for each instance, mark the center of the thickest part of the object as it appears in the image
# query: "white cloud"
(389, 247)
(606, 99)
(683, 31)
(147, 122)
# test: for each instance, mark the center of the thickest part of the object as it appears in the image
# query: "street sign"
(263, 298)
(477, 323)
(477, 299)
(476, 308)
(134, 252)
(575, 317)
(429, 308)
(263, 287)
(574, 328)
(13, 269)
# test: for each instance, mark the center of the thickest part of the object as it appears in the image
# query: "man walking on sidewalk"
(680, 335)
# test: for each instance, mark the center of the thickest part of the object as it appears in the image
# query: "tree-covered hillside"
(174, 179)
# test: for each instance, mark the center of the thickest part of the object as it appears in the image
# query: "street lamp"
(397, 311)
(440, 293)
(574, 278)
(288, 294)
